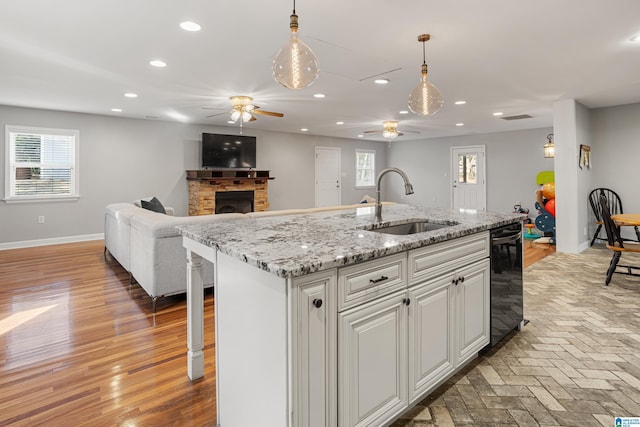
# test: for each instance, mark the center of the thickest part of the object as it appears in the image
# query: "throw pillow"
(153, 205)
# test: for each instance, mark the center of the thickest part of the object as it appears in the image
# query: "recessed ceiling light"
(404, 112)
(459, 124)
(304, 130)
(319, 95)
(231, 122)
(360, 136)
(158, 63)
(498, 113)
(131, 95)
(117, 110)
(460, 102)
(339, 123)
(381, 81)
(190, 26)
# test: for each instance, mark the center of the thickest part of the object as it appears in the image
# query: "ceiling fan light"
(246, 116)
(295, 66)
(389, 133)
(235, 115)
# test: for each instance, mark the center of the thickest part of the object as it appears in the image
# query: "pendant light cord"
(294, 7)
(424, 57)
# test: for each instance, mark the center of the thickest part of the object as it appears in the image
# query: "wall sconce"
(549, 148)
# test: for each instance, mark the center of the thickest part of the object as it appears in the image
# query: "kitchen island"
(328, 319)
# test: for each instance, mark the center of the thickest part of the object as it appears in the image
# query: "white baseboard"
(52, 241)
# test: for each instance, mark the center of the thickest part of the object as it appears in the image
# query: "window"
(467, 168)
(41, 164)
(365, 168)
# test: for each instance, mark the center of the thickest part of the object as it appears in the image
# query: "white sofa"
(148, 245)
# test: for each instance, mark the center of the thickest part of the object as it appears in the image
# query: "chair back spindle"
(613, 231)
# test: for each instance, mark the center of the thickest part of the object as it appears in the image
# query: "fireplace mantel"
(203, 185)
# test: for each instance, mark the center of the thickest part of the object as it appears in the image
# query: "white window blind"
(42, 163)
(365, 168)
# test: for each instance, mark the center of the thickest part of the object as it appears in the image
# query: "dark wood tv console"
(205, 183)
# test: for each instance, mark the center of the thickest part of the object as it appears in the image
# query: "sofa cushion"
(153, 205)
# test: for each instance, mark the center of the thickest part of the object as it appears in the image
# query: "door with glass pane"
(468, 178)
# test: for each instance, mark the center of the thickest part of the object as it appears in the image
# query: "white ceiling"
(518, 57)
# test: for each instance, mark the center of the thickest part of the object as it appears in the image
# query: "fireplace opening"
(234, 202)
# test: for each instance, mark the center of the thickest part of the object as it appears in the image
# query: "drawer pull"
(317, 303)
(382, 278)
(406, 301)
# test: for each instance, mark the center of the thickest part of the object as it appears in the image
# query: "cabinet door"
(431, 343)
(372, 361)
(472, 310)
(314, 350)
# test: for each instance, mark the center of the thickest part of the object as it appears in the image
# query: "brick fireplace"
(223, 191)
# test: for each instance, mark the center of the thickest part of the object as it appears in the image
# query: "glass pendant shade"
(236, 114)
(425, 99)
(295, 66)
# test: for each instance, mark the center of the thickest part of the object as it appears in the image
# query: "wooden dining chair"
(615, 207)
(616, 243)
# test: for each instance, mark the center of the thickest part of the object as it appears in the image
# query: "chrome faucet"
(408, 188)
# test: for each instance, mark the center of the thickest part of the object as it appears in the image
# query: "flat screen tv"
(228, 151)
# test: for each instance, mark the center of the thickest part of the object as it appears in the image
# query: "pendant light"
(425, 99)
(549, 148)
(295, 66)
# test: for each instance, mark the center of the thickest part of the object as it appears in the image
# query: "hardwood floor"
(81, 347)
(535, 252)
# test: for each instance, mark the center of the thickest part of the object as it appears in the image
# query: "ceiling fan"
(389, 129)
(242, 107)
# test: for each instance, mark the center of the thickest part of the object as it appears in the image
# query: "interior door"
(327, 176)
(468, 178)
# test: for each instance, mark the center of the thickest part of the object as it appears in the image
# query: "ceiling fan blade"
(267, 113)
(214, 115)
(400, 133)
(252, 119)
(372, 131)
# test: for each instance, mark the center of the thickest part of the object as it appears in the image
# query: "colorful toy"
(549, 190)
(546, 205)
(550, 206)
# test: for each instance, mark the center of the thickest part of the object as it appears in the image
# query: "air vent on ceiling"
(520, 117)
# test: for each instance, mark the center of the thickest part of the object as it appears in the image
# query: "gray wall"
(513, 160)
(615, 153)
(125, 159)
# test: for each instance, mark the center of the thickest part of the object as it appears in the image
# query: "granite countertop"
(295, 245)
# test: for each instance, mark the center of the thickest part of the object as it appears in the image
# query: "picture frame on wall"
(585, 156)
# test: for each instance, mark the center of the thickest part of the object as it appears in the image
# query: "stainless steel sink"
(413, 227)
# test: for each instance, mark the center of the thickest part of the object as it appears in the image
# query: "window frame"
(373, 168)
(10, 165)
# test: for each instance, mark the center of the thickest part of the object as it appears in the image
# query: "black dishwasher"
(506, 290)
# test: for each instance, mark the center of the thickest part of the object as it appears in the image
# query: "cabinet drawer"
(432, 260)
(368, 280)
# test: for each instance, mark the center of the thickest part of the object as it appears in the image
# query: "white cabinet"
(352, 346)
(473, 319)
(314, 350)
(372, 361)
(396, 348)
(449, 322)
(431, 327)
